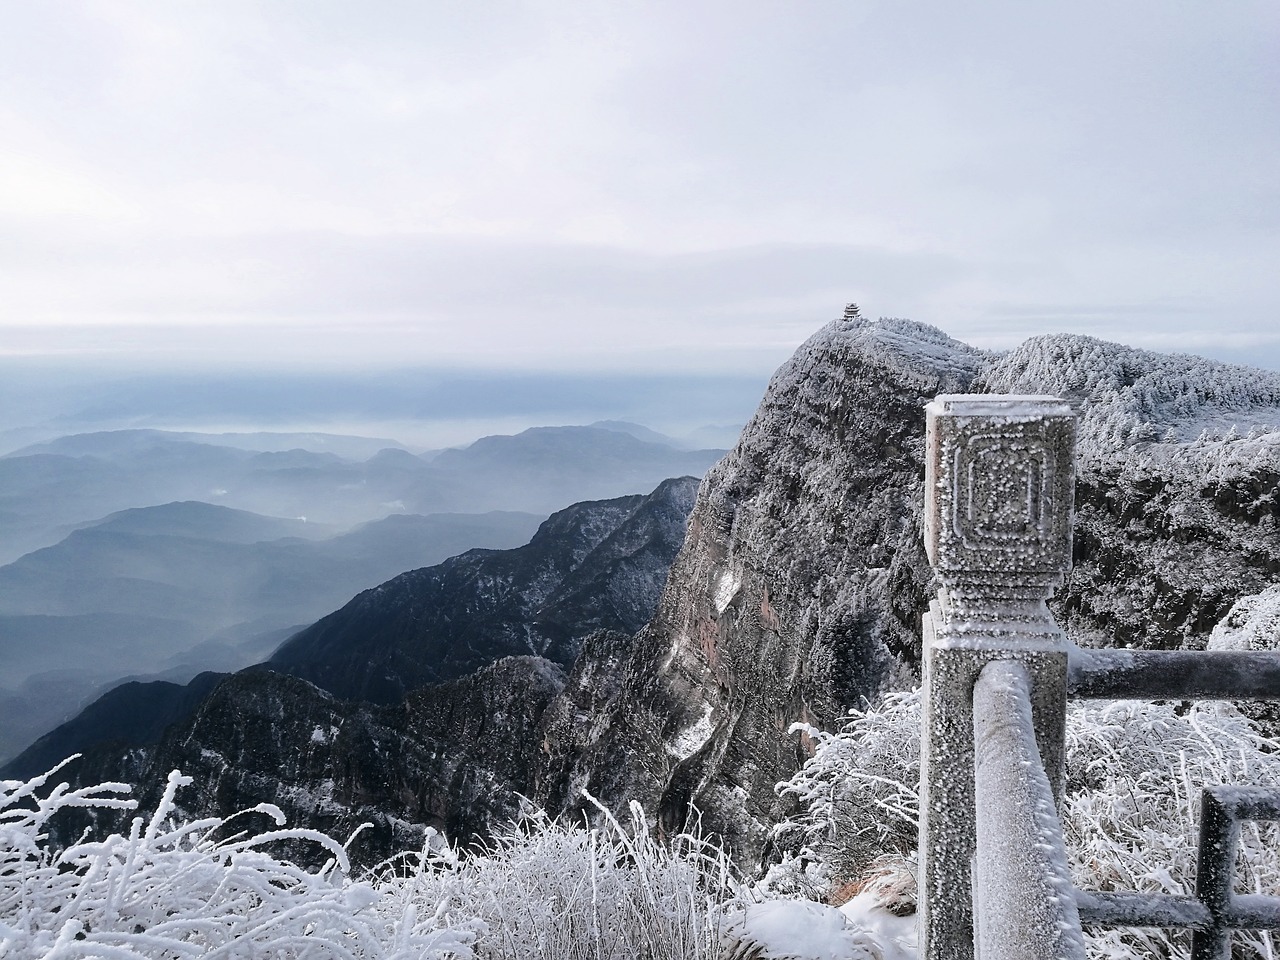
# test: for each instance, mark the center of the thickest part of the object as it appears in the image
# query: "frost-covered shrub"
(1134, 773)
(208, 889)
(1253, 623)
(858, 795)
(546, 890)
(172, 890)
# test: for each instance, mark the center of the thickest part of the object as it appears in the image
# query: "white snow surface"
(1253, 623)
(803, 930)
(894, 935)
(728, 583)
(690, 739)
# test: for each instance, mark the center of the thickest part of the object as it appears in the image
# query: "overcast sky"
(648, 186)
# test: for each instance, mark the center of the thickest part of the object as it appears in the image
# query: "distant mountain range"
(445, 668)
(131, 584)
(48, 489)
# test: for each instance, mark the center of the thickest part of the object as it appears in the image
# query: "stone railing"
(999, 485)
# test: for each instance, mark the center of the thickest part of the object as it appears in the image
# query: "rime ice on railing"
(999, 486)
(998, 512)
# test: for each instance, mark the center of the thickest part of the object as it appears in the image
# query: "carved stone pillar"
(999, 488)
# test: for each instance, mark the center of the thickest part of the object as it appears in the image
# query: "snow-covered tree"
(1134, 773)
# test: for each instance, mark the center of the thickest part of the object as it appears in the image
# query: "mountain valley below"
(158, 556)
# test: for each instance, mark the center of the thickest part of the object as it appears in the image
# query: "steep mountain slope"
(594, 565)
(799, 590)
(455, 754)
(795, 595)
(452, 756)
(222, 584)
(133, 714)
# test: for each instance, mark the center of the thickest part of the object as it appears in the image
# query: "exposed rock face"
(595, 565)
(796, 594)
(799, 590)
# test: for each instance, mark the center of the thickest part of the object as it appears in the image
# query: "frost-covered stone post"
(999, 486)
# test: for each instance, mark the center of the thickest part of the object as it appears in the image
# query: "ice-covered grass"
(1130, 813)
(546, 890)
(203, 888)
(208, 888)
(217, 888)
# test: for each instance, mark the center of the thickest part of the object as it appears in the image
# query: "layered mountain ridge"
(158, 555)
(436, 682)
(592, 566)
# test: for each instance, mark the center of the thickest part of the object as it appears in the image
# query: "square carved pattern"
(1000, 497)
(999, 473)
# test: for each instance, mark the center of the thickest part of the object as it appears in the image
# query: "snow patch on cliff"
(1253, 623)
(725, 588)
(691, 738)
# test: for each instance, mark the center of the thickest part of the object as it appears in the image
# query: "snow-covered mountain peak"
(1128, 396)
(906, 345)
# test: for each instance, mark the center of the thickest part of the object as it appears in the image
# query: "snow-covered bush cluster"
(1132, 396)
(858, 795)
(1134, 772)
(1253, 623)
(207, 888)
(550, 891)
(203, 888)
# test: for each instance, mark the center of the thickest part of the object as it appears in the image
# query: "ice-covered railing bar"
(1221, 811)
(1023, 897)
(1173, 674)
(1216, 909)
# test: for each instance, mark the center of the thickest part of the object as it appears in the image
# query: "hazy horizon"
(420, 408)
(629, 187)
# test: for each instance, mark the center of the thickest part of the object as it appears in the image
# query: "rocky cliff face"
(452, 756)
(801, 584)
(796, 595)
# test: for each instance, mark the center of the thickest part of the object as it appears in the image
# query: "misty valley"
(159, 555)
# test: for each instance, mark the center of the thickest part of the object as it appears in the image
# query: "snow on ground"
(1253, 623)
(803, 930)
